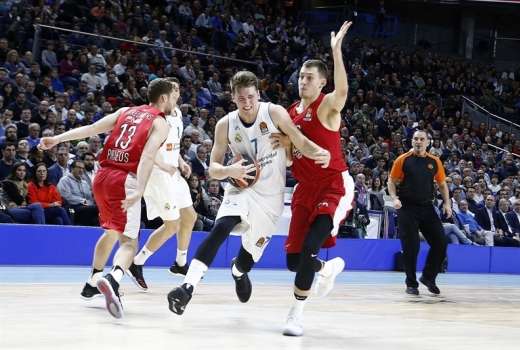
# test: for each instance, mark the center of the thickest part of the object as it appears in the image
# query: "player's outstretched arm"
(219, 171)
(155, 140)
(101, 126)
(335, 101)
(308, 148)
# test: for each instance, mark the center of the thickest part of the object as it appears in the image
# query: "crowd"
(73, 79)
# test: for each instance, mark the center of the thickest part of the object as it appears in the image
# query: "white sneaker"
(293, 325)
(325, 282)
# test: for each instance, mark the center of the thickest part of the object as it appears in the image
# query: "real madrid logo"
(263, 128)
(262, 241)
(238, 138)
(167, 206)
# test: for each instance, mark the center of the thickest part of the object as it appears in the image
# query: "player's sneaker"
(294, 324)
(177, 270)
(89, 292)
(136, 275)
(432, 287)
(109, 287)
(327, 276)
(179, 297)
(243, 286)
(414, 291)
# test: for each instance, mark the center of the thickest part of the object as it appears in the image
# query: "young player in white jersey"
(252, 211)
(167, 196)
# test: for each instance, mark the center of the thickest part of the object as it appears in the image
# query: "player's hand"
(322, 158)
(240, 171)
(447, 210)
(185, 169)
(397, 203)
(336, 39)
(47, 143)
(130, 200)
(280, 140)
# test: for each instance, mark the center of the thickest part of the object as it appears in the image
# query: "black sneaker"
(89, 292)
(178, 298)
(136, 275)
(412, 291)
(432, 287)
(109, 287)
(243, 286)
(177, 270)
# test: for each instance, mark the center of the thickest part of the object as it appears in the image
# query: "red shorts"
(332, 196)
(110, 187)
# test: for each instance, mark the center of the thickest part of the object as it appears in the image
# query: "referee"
(413, 174)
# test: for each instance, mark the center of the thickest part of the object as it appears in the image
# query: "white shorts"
(259, 214)
(166, 194)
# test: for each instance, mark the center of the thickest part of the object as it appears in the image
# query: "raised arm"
(101, 126)
(334, 102)
(308, 148)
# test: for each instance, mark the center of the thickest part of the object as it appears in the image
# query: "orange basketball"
(244, 183)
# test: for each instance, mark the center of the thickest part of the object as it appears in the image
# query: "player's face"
(310, 82)
(172, 99)
(246, 99)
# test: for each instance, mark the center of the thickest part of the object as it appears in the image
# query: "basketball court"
(41, 309)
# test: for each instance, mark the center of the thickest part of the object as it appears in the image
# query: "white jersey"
(260, 205)
(170, 149)
(254, 140)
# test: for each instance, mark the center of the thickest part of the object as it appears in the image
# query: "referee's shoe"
(432, 287)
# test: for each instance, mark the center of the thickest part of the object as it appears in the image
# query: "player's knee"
(171, 227)
(293, 261)
(189, 216)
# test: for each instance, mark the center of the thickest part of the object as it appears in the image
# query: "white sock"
(195, 272)
(298, 306)
(94, 278)
(182, 256)
(117, 273)
(142, 256)
(235, 271)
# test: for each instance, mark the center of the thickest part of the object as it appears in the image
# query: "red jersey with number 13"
(303, 168)
(125, 144)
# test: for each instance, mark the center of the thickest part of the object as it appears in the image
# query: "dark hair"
(319, 65)
(12, 176)
(35, 179)
(158, 87)
(7, 144)
(243, 79)
(74, 162)
(88, 154)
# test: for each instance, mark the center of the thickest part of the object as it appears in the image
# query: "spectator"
(15, 189)
(8, 159)
(89, 159)
(200, 200)
(76, 191)
(60, 168)
(42, 192)
(376, 193)
(34, 135)
(199, 163)
(471, 226)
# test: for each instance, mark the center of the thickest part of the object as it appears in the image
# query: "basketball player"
(252, 211)
(167, 196)
(322, 196)
(126, 163)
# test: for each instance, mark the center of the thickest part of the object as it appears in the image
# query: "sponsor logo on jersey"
(308, 116)
(169, 146)
(167, 206)
(263, 128)
(262, 241)
(238, 138)
(430, 166)
(323, 204)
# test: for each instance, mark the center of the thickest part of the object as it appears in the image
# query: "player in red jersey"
(320, 201)
(126, 163)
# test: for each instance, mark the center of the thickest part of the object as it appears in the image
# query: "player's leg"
(187, 221)
(179, 297)
(154, 242)
(240, 266)
(104, 246)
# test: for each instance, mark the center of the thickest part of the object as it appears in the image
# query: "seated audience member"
(45, 193)
(471, 226)
(15, 190)
(60, 168)
(78, 194)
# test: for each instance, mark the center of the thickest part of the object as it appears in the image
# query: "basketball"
(244, 183)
